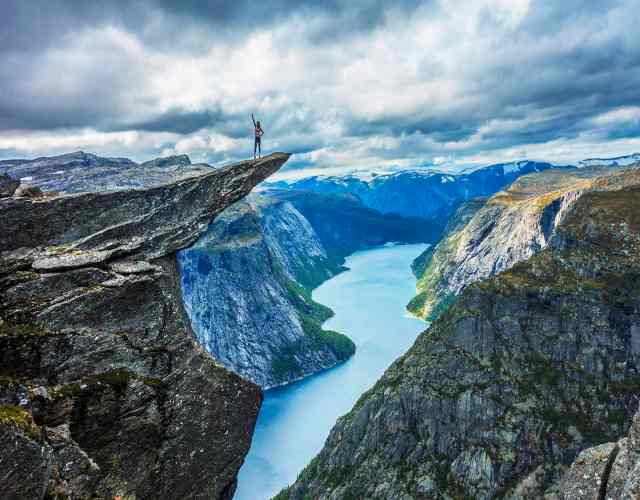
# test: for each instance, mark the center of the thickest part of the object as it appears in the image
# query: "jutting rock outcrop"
(104, 390)
(521, 373)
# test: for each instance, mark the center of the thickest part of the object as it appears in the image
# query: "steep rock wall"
(509, 228)
(242, 292)
(104, 389)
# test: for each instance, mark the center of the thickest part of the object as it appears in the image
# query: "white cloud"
(630, 114)
(135, 144)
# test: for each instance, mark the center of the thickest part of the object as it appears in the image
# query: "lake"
(369, 304)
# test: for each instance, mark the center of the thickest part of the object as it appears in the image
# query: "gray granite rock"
(610, 471)
(94, 337)
(241, 288)
(85, 172)
(25, 464)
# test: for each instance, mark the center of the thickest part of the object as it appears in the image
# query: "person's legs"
(255, 146)
(259, 146)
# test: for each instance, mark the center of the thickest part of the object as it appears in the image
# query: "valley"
(530, 359)
(368, 301)
(320, 250)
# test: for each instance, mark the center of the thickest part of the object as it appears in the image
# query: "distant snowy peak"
(365, 178)
(619, 161)
(519, 166)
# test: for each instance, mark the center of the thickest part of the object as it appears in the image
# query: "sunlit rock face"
(489, 236)
(244, 289)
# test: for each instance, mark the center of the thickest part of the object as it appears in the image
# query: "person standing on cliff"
(258, 134)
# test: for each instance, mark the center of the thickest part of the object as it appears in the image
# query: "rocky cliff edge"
(104, 390)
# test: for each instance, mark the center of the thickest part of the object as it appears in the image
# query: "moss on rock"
(21, 419)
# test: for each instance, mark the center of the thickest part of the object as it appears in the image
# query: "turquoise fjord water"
(369, 304)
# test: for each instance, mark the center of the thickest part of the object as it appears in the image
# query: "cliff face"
(510, 227)
(103, 388)
(506, 387)
(241, 289)
(610, 470)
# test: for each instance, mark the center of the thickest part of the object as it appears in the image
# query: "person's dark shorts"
(257, 139)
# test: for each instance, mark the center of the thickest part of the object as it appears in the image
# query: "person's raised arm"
(253, 120)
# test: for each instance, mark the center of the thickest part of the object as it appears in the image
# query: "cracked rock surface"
(104, 390)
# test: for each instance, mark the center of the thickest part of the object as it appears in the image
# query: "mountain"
(104, 390)
(253, 270)
(618, 161)
(506, 387)
(247, 282)
(427, 194)
(510, 227)
(344, 224)
(85, 172)
(241, 289)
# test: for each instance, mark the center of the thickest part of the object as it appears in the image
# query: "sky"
(343, 84)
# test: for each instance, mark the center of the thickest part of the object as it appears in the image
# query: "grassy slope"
(311, 315)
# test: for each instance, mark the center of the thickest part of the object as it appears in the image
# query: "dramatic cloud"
(342, 84)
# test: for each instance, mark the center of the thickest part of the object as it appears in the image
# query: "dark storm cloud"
(29, 28)
(35, 24)
(441, 129)
(249, 14)
(179, 122)
(624, 131)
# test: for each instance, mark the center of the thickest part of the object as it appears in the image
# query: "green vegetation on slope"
(313, 275)
(21, 419)
(429, 269)
(311, 315)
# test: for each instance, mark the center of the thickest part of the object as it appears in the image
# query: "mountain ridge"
(509, 227)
